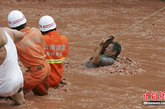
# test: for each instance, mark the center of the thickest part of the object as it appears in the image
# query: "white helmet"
(46, 23)
(16, 18)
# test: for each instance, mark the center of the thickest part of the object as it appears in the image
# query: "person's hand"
(106, 43)
(102, 42)
(110, 37)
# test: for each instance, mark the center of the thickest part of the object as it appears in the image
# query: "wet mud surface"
(140, 67)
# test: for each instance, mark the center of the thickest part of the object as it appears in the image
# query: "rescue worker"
(105, 53)
(11, 78)
(32, 55)
(56, 49)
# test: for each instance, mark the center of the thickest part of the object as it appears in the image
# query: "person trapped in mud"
(56, 49)
(11, 78)
(32, 55)
(104, 54)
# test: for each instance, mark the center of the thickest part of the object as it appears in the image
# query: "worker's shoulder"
(63, 37)
(34, 29)
(11, 32)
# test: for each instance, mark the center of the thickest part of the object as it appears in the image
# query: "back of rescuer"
(56, 48)
(32, 54)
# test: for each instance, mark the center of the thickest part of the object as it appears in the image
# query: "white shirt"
(11, 78)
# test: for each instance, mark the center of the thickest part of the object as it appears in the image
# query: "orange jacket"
(31, 53)
(56, 48)
(31, 48)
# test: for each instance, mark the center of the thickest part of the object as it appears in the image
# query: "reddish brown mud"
(140, 67)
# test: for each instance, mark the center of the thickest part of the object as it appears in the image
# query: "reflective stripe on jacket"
(53, 61)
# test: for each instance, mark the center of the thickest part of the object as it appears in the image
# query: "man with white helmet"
(32, 54)
(11, 78)
(56, 49)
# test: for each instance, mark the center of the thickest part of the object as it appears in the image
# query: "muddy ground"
(140, 67)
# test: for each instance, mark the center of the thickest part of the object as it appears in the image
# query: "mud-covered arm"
(3, 40)
(97, 53)
(101, 49)
(106, 61)
(16, 35)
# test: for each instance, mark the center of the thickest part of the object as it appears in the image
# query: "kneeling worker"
(56, 49)
(32, 55)
(11, 78)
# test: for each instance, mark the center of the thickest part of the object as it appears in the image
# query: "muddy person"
(56, 49)
(11, 78)
(32, 55)
(104, 54)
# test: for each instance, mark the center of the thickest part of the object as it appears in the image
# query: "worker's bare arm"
(3, 40)
(16, 35)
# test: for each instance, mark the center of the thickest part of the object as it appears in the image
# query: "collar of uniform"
(25, 29)
(53, 32)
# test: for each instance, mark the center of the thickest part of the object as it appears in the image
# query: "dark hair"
(20, 27)
(117, 47)
(45, 32)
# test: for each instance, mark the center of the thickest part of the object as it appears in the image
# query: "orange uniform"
(56, 48)
(32, 54)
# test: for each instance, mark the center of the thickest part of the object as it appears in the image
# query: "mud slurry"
(118, 86)
(122, 65)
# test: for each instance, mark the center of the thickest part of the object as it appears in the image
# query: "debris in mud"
(122, 65)
(61, 84)
(61, 88)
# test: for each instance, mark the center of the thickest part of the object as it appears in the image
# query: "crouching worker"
(104, 54)
(56, 49)
(11, 78)
(32, 55)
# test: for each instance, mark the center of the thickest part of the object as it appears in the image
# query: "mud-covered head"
(16, 20)
(113, 49)
(47, 24)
